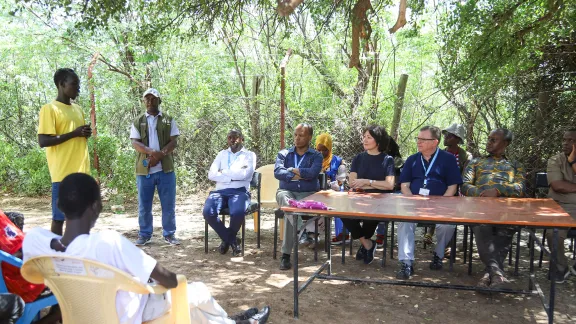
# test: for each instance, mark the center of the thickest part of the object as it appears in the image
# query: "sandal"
(427, 239)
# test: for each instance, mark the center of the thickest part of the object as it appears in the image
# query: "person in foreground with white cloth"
(81, 203)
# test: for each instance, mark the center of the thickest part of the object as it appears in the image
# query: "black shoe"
(361, 253)
(436, 263)
(236, 249)
(245, 315)
(560, 276)
(223, 248)
(405, 271)
(171, 239)
(262, 316)
(285, 262)
(369, 256)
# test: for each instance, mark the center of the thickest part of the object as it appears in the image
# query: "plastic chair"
(253, 208)
(86, 290)
(31, 310)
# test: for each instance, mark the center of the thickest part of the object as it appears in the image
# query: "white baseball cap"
(151, 91)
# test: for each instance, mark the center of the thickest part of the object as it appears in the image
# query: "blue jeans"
(235, 199)
(166, 185)
(57, 214)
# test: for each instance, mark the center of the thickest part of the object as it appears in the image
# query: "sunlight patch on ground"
(278, 280)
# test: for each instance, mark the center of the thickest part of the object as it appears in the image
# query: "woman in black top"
(371, 171)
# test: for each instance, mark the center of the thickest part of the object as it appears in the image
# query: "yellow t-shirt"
(57, 118)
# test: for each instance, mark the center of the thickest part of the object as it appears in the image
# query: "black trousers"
(360, 228)
(11, 308)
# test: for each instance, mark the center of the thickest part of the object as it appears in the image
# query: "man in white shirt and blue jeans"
(154, 137)
(232, 171)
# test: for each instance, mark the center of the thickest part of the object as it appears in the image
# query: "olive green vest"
(163, 128)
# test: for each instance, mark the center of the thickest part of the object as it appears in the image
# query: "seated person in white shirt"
(79, 199)
(232, 170)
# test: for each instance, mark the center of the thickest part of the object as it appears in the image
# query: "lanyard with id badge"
(424, 191)
(296, 163)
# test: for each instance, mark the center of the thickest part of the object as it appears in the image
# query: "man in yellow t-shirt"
(63, 132)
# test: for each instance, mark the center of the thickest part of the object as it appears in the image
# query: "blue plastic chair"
(32, 310)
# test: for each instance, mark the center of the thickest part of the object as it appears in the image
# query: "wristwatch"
(571, 163)
(371, 181)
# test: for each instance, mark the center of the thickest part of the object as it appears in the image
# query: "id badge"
(424, 192)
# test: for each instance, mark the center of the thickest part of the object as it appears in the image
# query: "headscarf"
(326, 140)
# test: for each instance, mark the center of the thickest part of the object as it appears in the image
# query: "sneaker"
(285, 262)
(142, 240)
(245, 315)
(171, 239)
(560, 276)
(405, 271)
(361, 253)
(337, 240)
(236, 249)
(499, 281)
(262, 316)
(303, 238)
(484, 281)
(369, 256)
(436, 263)
(223, 248)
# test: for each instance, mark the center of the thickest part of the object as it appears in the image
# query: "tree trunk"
(398, 105)
(255, 114)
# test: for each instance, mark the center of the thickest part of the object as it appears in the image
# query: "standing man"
(63, 131)
(232, 170)
(562, 181)
(494, 176)
(453, 137)
(154, 137)
(297, 169)
(430, 172)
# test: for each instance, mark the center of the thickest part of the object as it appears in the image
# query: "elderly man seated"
(494, 176)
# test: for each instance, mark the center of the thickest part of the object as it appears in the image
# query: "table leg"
(295, 233)
(553, 261)
(531, 247)
(519, 235)
(316, 240)
(470, 252)
(453, 249)
(344, 233)
(465, 243)
(384, 244)
(327, 221)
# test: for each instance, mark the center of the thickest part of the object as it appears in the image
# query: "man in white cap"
(154, 137)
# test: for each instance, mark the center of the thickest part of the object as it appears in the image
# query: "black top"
(373, 167)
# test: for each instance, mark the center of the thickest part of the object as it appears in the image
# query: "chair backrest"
(541, 180)
(268, 185)
(323, 181)
(256, 179)
(10, 259)
(86, 290)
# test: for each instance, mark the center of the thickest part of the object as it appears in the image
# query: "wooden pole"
(398, 104)
(283, 95)
(93, 111)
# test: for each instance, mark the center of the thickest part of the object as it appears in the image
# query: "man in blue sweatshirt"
(297, 169)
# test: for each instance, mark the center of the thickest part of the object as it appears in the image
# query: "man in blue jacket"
(297, 169)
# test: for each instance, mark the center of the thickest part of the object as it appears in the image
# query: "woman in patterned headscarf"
(330, 166)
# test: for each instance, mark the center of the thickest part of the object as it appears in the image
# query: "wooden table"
(508, 212)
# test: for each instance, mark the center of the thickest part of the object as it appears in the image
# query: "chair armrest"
(180, 304)
(10, 259)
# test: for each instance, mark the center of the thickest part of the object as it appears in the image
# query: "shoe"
(499, 281)
(573, 269)
(405, 271)
(236, 249)
(428, 239)
(245, 315)
(436, 263)
(303, 238)
(262, 316)
(337, 240)
(142, 240)
(484, 281)
(560, 276)
(369, 256)
(171, 239)
(285, 262)
(223, 248)
(361, 253)
(379, 239)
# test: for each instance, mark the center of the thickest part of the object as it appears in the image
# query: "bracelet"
(571, 163)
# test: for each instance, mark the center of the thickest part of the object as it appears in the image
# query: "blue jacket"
(310, 167)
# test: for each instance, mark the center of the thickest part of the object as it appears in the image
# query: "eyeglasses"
(420, 140)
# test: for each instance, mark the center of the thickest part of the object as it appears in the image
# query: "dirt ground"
(255, 280)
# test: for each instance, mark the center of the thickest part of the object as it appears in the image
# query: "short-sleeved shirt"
(373, 167)
(444, 173)
(558, 169)
(57, 118)
(153, 142)
(108, 247)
